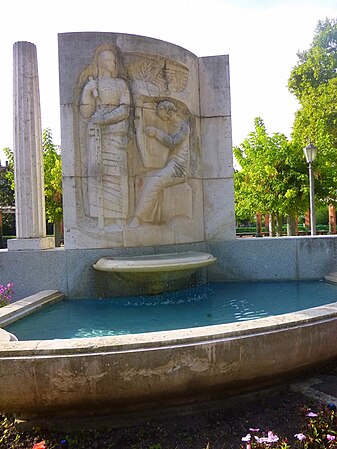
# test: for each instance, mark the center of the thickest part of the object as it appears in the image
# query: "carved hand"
(98, 118)
(92, 86)
(150, 131)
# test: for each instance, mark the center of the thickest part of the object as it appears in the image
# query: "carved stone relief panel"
(135, 146)
(125, 107)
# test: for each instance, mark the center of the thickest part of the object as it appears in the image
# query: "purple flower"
(300, 436)
(311, 415)
(5, 294)
(330, 437)
(246, 438)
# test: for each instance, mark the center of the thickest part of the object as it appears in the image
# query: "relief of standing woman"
(105, 104)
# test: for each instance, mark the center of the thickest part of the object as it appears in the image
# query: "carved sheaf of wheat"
(144, 72)
(159, 76)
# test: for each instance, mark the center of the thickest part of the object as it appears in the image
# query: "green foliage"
(316, 66)
(320, 429)
(7, 180)
(7, 195)
(10, 171)
(273, 177)
(52, 178)
(319, 432)
(314, 83)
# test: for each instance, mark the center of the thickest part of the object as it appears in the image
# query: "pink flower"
(253, 430)
(330, 437)
(300, 436)
(261, 440)
(311, 415)
(40, 445)
(272, 438)
(246, 438)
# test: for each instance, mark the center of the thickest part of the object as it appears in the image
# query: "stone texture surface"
(217, 153)
(124, 372)
(181, 122)
(28, 305)
(28, 169)
(214, 86)
(216, 148)
(218, 209)
(250, 259)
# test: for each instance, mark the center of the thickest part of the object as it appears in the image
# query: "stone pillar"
(216, 147)
(28, 164)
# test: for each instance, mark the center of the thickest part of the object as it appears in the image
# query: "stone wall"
(71, 272)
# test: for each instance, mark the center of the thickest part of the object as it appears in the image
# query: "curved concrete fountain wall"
(248, 259)
(128, 372)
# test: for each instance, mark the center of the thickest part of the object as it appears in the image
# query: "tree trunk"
(258, 225)
(272, 225)
(307, 222)
(58, 233)
(291, 225)
(332, 219)
(279, 230)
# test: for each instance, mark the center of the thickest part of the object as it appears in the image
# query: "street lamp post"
(310, 152)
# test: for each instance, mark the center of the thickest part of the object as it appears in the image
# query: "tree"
(316, 66)
(7, 201)
(6, 191)
(53, 183)
(52, 180)
(273, 175)
(10, 172)
(314, 83)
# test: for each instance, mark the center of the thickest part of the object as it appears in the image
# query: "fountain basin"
(128, 372)
(153, 274)
(155, 262)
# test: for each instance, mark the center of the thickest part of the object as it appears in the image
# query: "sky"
(261, 37)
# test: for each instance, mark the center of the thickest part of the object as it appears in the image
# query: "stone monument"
(146, 143)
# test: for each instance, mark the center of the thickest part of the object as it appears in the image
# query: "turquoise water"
(209, 304)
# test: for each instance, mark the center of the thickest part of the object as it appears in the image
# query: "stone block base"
(31, 244)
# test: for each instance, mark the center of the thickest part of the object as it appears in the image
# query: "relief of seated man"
(176, 169)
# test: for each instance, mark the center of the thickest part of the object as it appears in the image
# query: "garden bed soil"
(220, 426)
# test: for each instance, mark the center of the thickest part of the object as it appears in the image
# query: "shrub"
(5, 294)
(319, 432)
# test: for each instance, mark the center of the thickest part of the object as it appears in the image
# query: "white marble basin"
(156, 273)
(155, 262)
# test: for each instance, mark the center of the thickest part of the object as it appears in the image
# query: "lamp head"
(310, 152)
